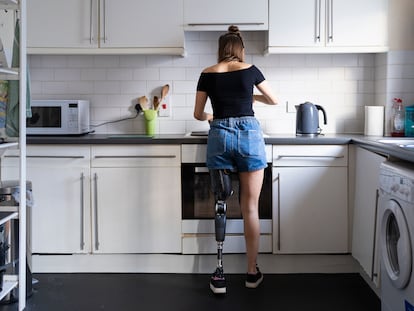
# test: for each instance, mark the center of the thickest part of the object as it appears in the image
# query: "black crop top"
(231, 93)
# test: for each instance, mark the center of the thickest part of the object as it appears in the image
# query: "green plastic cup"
(150, 116)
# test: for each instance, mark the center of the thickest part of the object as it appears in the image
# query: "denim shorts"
(236, 144)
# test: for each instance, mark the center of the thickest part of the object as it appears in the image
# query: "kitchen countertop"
(369, 142)
(392, 151)
(111, 139)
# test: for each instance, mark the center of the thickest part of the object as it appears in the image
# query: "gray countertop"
(392, 151)
(111, 139)
(369, 142)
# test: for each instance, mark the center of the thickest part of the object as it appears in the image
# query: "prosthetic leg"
(221, 186)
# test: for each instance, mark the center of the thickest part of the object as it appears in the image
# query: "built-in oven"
(198, 207)
(198, 199)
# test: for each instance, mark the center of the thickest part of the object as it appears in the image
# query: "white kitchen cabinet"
(60, 186)
(136, 201)
(310, 205)
(105, 26)
(218, 15)
(142, 24)
(364, 236)
(327, 26)
(103, 199)
(74, 24)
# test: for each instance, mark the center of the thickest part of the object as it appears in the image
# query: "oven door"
(198, 199)
(198, 235)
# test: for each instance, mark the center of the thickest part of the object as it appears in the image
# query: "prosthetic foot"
(221, 186)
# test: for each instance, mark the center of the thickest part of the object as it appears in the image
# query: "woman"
(235, 140)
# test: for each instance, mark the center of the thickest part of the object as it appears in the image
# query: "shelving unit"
(10, 282)
(6, 216)
(9, 71)
(8, 213)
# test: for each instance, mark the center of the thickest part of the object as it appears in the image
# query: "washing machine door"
(396, 253)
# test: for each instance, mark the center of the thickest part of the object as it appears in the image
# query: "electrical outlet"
(290, 107)
(165, 107)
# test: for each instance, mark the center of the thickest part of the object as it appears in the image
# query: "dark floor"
(281, 292)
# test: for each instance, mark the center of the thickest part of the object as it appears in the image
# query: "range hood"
(218, 15)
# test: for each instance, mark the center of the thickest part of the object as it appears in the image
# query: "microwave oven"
(58, 117)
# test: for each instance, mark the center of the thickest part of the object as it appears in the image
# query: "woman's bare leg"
(250, 187)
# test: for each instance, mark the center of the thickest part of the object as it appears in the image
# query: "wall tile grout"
(341, 83)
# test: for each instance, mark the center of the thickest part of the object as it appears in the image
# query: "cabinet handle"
(278, 212)
(46, 157)
(318, 21)
(82, 209)
(137, 157)
(330, 20)
(374, 249)
(310, 156)
(225, 24)
(104, 21)
(91, 22)
(95, 181)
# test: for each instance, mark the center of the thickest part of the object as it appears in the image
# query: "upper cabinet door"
(105, 26)
(74, 23)
(357, 23)
(219, 14)
(296, 22)
(139, 23)
(327, 26)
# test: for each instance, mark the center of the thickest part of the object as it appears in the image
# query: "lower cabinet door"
(136, 210)
(365, 229)
(59, 218)
(60, 214)
(310, 210)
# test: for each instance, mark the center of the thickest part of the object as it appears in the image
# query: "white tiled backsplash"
(342, 83)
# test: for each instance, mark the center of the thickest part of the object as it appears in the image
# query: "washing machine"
(396, 235)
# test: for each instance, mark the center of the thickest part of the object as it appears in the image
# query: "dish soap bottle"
(398, 118)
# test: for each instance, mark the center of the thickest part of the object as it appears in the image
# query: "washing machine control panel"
(401, 187)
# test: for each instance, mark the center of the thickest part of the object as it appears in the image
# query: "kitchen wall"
(394, 78)
(342, 83)
(395, 69)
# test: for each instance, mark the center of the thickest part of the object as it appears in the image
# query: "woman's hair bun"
(231, 46)
(234, 29)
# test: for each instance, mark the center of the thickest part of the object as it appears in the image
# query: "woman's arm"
(200, 103)
(267, 96)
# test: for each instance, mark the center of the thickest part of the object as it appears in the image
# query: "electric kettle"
(307, 119)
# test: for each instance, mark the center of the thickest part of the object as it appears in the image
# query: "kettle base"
(308, 134)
